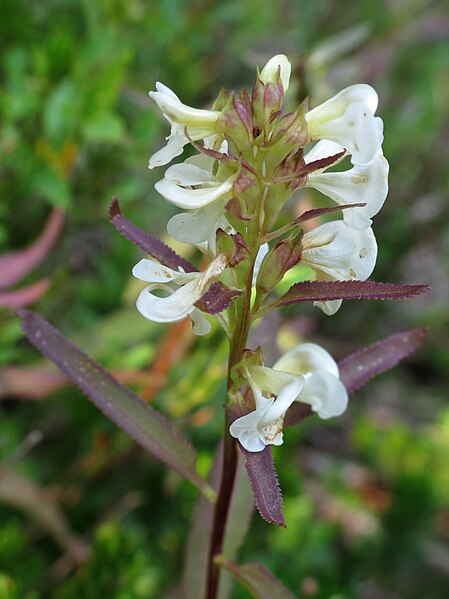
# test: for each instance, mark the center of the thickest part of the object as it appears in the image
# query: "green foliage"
(120, 566)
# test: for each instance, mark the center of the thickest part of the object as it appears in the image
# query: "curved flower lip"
(194, 198)
(180, 301)
(172, 106)
(200, 123)
(363, 183)
(188, 174)
(348, 119)
(338, 252)
(323, 390)
(307, 358)
(307, 373)
(200, 225)
(336, 106)
(263, 426)
(270, 70)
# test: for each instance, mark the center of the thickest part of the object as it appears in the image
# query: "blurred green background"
(367, 496)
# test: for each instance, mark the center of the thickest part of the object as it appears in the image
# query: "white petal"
(170, 105)
(329, 307)
(201, 324)
(193, 198)
(153, 272)
(356, 129)
(270, 380)
(245, 430)
(263, 251)
(174, 148)
(367, 184)
(326, 394)
(336, 106)
(179, 303)
(173, 308)
(306, 358)
(337, 252)
(270, 70)
(187, 174)
(197, 226)
(160, 87)
(288, 394)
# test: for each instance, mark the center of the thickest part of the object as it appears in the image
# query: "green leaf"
(61, 112)
(50, 184)
(128, 411)
(104, 127)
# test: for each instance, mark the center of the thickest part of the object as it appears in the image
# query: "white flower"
(348, 119)
(200, 124)
(362, 183)
(181, 185)
(264, 425)
(270, 70)
(323, 390)
(306, 373)
(336, 252)
(191, 187)
(183, 290)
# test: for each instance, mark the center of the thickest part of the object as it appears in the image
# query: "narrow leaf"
(358, 368)
(321, 163)
(15, 265)
(259, 581)
(19, 298)
(264, 483)
(313, 291)
(148, 243)
(217, 298)
(128, 411)
(315, 212)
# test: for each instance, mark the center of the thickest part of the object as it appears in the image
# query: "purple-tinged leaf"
(321, 163)
(128, 411)
(262, 476)
(264, 483)
(217, 298)
(206, 151)
(315, 212)
(361, 366)
(15, 265)
(314, 291)
(259, 581)
(148, 243)
(19, 298)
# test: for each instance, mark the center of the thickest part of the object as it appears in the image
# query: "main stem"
(238, 344)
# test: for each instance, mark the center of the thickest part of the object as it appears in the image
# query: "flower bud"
(283, 256)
